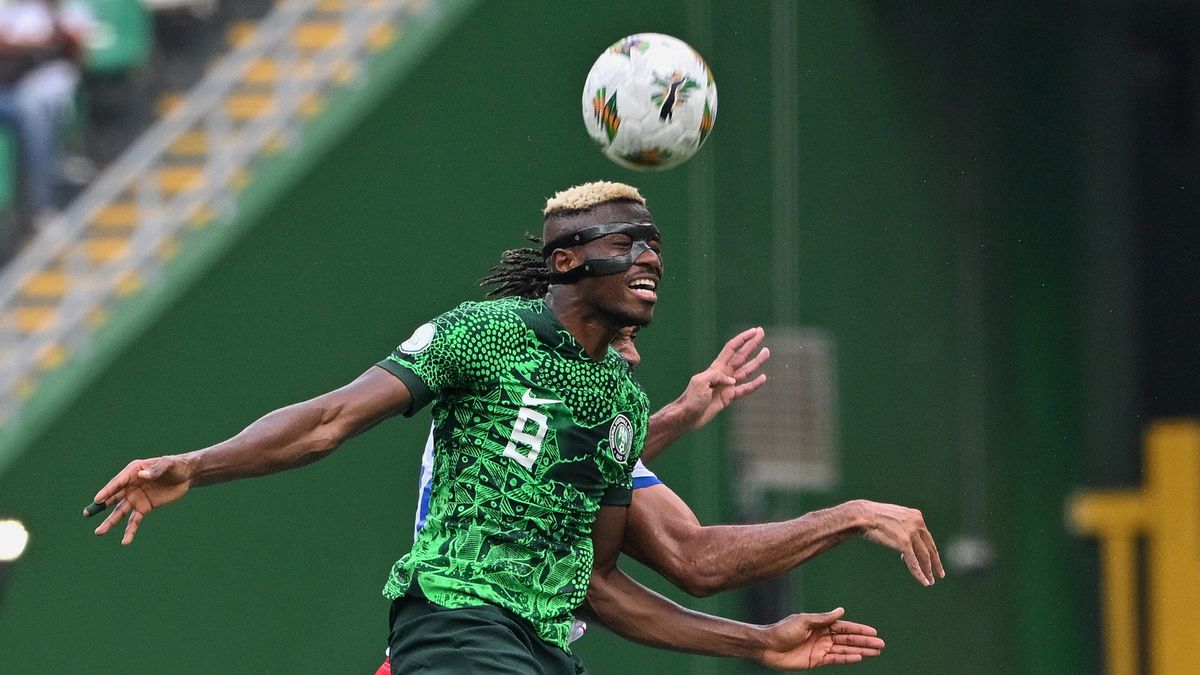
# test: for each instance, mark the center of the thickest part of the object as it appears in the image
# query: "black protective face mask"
(641, 234)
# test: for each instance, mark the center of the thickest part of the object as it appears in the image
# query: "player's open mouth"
(645, 288)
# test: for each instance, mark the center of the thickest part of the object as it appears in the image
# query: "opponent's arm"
(728, 378)
(665, 535)
(284, 439)
(634, 612)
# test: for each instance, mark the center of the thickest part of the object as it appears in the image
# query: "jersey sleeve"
(444, 353)
(620, 492)
(617, 495)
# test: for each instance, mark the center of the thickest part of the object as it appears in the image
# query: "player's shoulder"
(495, 314)
(483, 326)
(500, 309)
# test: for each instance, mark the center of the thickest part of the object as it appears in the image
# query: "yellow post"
(1173, 487)
(1167, 512)
(1120, 604)
(1116, 517)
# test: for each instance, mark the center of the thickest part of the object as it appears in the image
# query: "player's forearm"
(666, 426)
(640, 615)
(718, 558)
(283, 439)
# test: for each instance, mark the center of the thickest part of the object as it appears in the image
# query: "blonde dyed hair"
(586, 196)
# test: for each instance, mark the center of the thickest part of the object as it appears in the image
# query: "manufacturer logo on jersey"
(620, 438)
(529, 399)
(421, 338)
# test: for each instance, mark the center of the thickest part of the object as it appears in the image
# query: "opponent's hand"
(730, 377)
(804, 641)
(141, 487)
(903, 529)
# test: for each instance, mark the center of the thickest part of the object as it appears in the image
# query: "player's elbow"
(335, 426)
(323, 444)
(321, 441)
(701, 583)
(601, 596)
(695, 566)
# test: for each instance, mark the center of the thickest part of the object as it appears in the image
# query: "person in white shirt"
(41, 47)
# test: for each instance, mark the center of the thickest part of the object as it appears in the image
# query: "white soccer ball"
(649, 101)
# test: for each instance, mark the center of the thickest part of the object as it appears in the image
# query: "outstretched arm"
(284, 439)
(634, 612)
(665, 535)
(730, 377)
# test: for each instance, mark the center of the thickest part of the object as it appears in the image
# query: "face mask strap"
(641, 233)
(601, 267)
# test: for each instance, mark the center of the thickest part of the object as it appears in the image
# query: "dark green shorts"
(429, 638)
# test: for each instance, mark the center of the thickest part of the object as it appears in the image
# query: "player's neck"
(592, 331)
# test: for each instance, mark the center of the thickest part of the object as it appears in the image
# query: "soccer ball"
(649, 101)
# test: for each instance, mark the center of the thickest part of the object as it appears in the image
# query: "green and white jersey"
(530, 438)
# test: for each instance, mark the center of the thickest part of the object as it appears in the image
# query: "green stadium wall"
(396, 222)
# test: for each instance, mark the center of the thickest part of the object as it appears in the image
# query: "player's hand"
(804, 641)
(903, 529)
(730, 377)
(141, 487)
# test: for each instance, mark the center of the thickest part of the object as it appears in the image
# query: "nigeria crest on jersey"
(620, 438)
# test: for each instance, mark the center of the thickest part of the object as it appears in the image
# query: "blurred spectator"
(41, 42)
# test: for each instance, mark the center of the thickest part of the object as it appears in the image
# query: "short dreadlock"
(522, 272)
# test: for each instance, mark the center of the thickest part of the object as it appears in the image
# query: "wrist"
(191, 465)
(858, 514)
(673, 419)
(760, 641)
(684, 416)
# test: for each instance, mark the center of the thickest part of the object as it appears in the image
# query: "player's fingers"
(839, 659)
(748, 368)
(857, 641)
(752, 342)
(831, 659)
(737, 344)
(718, 379)
(110, 492)
(934, 555)
(923, 558)
(851, 649)
(114, 517)
(112, 489)
(844, 650)
(131, 527)
(825, 618)
(914, 568)
(749, 387)
(853, 628)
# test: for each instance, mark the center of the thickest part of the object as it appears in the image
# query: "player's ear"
(562, 260)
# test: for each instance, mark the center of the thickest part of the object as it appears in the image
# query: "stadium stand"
(182, 176)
